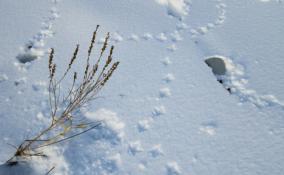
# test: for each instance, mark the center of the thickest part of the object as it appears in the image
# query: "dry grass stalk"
(64, 123)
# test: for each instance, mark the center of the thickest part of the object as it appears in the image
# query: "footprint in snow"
(169, 78)
(203, 29)
(173, 168)
(144, 125)
(135, 147)
(176, 36)
(159, 110)
(156, 151)
(209, 128)
(3, 77)
(35, 47)
(232, 77)
(147, 36)
(134, 37)
(166, 61)
(162, 37)
(165, 92)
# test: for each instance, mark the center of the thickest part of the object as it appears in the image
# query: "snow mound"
(175, 8)
(112, 127)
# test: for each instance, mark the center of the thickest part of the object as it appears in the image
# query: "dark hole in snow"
(29, 53)
(26, 57)
(218, 66)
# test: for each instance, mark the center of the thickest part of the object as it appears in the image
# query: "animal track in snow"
(202, 30)
(165, 92)
(222, 13)
(156, 151)
(35, 47)
(169, 78)
(176, 36)
(40, 86)
(173, 168)
(147, 36)
(166, 61)
(159, 110)
(172, 48)
(142, 166)
(134, 37)
(116, 37)
(144, 125)
(161, 37)
(235, 82)
(113, 162)
(135, 147)
(22, 67)
(20, 81)
(3, 77)
(208, 128)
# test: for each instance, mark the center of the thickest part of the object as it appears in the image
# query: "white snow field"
(163, 111)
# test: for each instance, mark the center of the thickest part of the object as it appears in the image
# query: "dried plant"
(65, 124)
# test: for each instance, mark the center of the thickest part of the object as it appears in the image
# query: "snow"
(39, 164)
(135, 147)
(3, 77)
(147, 36)
(173, 168)
(112, 126)
(159, 110)
(156, 150)
(144, 125)
(116, 37)
(163, 111)
(165, 92)
(235, 81)
(161, 37)
(169, 77)
(176, 8)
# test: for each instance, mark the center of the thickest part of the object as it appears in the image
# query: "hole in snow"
(232, 77)
(217, 64)
(220, 67)
(29, 54)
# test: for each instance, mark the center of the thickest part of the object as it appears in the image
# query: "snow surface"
(163, 112)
